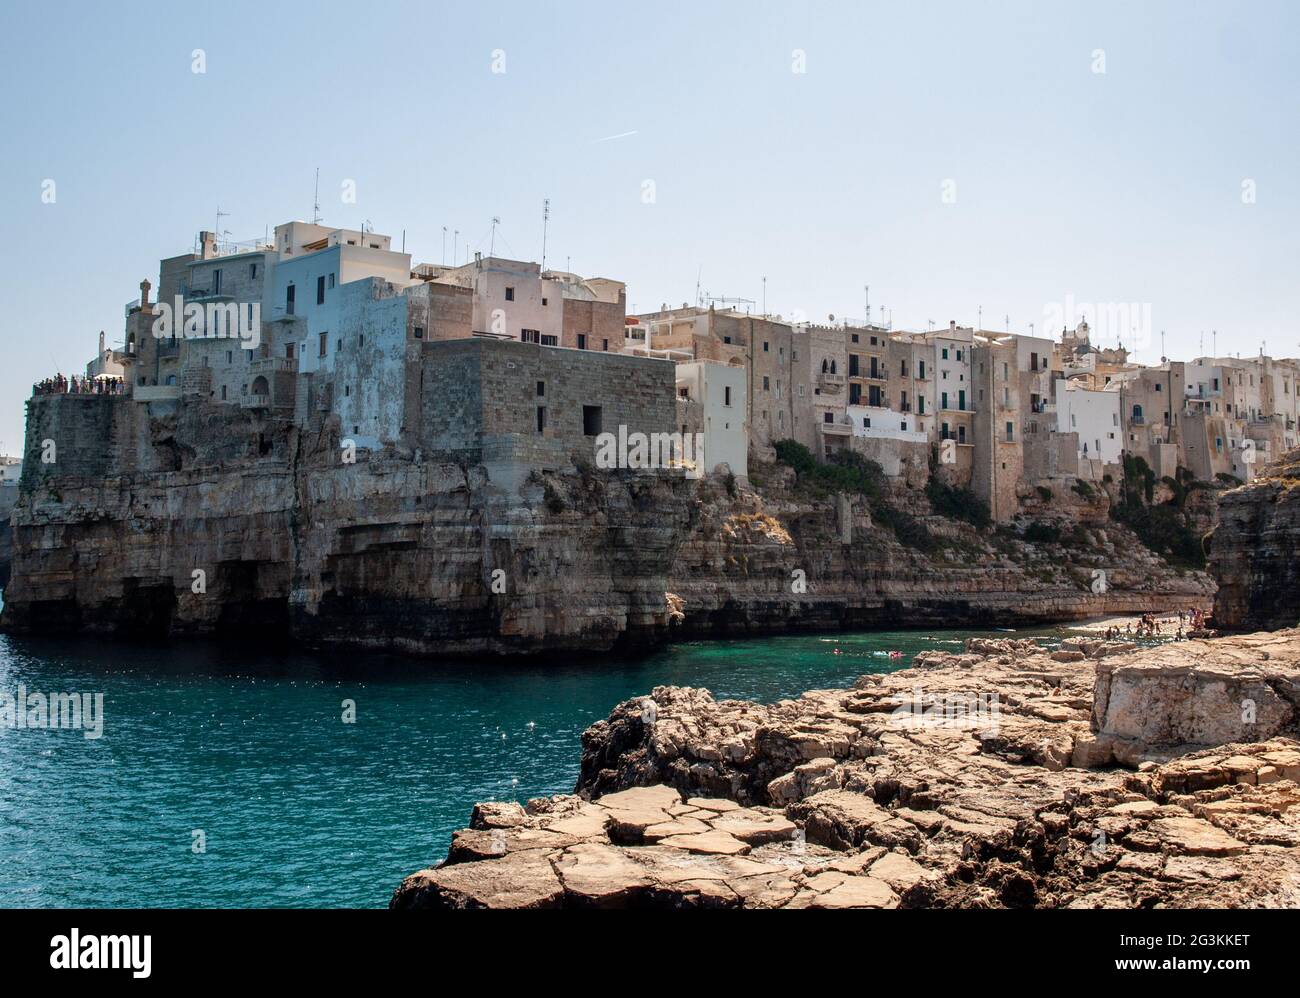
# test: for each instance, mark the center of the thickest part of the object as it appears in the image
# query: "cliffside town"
(316, 434)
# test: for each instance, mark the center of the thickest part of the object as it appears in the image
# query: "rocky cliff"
(216, 519)
(1254, 554)
(228, 520)
(982, 779)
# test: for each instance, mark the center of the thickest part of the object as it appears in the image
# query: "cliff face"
(981, 779)
(392, 553)
(216, 519)
(779, 562)
(1254, 551)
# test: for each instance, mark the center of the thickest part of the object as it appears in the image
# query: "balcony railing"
(265, 365)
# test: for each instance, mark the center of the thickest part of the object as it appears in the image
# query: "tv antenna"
(492, 243)
(315, 204)
(546, 218)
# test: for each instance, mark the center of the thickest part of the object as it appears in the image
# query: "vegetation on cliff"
(1162, 526)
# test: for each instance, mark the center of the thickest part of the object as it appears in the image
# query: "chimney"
(144, 295)
(101, 343)
(952, 325)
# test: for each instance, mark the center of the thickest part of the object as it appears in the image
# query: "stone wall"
(482, 398)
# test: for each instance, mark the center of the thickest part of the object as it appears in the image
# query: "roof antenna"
(546, 218)
(493, 242)
(315, 205)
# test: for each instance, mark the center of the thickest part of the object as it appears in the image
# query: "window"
(726, 339)
(591, 420)
(419, 332)
(921, 369)
(828, 417)
(216, 281)
(331, 280)
(320, 290)
(510, 294)
(288, 351)
(943, 401)
(961, 434)
(606, 345)
(324, 344)
(855, 337)
(959, 355)
(530, 336)
(550, 341)
(1010, 437)
(252, 271)
(726, 395)
(541, 389)
(289, 295)
(223, 393)
(903, 426)
(541, 419)
(767, 386)
(582, 341)
(945, 353)
(230, 357)
(544, 302)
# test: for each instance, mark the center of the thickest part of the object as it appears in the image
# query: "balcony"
(274, 365)
(255, 402)
(837, 429)
(830, 383)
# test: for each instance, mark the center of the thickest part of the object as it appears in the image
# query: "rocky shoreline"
(1097, 775)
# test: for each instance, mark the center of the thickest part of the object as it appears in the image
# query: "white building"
(108, 362)
(1095, 416)
(315, 261)
(11, 469)
(890, 424)
(719, 391)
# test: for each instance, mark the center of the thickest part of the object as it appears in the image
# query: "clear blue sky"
(1115, 187)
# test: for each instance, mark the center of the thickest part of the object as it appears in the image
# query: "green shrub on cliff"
(958, 503)
(1162, 527)
(847, 471)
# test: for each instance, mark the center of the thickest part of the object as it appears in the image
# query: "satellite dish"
(831, 318)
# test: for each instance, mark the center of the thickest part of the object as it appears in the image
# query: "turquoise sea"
(296, 807)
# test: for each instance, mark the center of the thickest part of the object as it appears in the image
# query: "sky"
(1010, 161)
